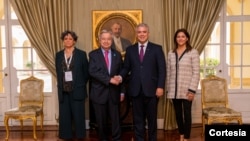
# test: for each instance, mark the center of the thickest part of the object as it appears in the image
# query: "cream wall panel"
(3, 104)
(82, 19)
(49, 112)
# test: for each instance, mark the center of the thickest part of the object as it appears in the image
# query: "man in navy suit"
(145, 61)
(105, 93)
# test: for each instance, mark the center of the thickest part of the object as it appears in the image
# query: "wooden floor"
(50, 134)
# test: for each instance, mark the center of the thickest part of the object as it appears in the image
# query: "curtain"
(199, 18)
(43, 21)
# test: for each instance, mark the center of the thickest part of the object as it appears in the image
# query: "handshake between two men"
(116, 80)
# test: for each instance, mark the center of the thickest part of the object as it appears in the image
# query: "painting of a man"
(119, 43)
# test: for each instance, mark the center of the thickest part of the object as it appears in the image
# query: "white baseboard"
(87, 124)
(160, 123)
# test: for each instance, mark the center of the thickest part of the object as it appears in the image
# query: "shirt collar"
(103, 51)
(116, 38)
(145, 44)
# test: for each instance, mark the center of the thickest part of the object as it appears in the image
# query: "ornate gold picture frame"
(104, 19)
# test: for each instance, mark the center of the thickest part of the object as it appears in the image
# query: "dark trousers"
(101, 114)
(71, 118)
(145, 110)
(183, 116)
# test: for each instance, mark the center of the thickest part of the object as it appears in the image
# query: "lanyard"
(66, 60)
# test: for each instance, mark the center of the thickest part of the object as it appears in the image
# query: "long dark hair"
(188, 46)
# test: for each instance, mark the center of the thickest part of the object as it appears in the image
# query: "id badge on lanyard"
(68, 74)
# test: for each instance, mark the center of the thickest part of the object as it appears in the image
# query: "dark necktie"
(141, 53)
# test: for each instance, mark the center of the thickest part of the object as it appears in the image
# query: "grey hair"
(142, 25)
(104, 31)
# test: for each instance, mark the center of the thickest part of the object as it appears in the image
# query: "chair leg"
(57, 124)
(34, 127)
(21, 123)
(203, 125)
(41, 122)
(6, 123)
(240, 121)
(209, 121)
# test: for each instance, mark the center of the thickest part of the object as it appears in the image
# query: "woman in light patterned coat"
(183, 77)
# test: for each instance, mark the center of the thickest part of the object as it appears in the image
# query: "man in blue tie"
(105, 91)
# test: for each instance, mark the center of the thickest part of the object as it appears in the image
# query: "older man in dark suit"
(105, 94)
(145, 61)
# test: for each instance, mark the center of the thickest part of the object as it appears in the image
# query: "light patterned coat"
(183, 75)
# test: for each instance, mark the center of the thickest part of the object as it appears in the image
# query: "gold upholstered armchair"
(214, 98)
(30, 104)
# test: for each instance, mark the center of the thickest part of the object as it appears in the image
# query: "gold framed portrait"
(104, 20)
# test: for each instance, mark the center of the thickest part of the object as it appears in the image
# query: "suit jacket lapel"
(136, 52)
(113, 60)
(147, 51)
